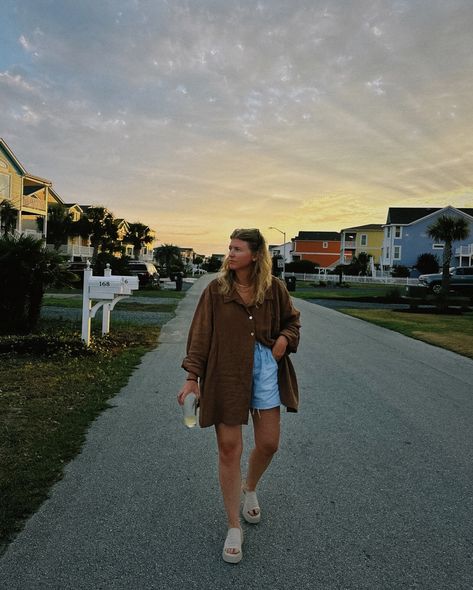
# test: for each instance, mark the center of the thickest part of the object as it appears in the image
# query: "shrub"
(302, 266)
(63, 344)
(400, 271)
(393, 295)
(119, 265)
(427, 263)
(26, 270)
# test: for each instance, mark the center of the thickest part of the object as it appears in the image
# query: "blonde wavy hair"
(262, 267)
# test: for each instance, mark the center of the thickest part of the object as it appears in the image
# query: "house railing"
(354, 279)
(350, 244)
(32, 202)
(146, 257)
(30, 233)
(464, 250)
(78, 250)
(74, 250)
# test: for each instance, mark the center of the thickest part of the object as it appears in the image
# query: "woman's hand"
(279, 348)
(187, 388)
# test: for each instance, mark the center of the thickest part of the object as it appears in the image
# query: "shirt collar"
(233, 296)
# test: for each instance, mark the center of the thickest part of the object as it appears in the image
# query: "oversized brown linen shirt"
(220, 349)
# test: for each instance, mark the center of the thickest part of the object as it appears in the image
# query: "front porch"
(464, 255)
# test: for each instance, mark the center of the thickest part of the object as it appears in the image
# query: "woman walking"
(237, 363)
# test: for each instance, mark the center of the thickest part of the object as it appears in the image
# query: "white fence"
(28, 233)
(353, 279)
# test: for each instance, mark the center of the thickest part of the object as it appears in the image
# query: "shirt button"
(252, 333)
(250, 317)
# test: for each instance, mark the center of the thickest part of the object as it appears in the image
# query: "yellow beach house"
(362, 238)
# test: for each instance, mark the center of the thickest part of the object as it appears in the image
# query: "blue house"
(405, 236)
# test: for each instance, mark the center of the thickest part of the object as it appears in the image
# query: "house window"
(4, 185)
(397, 253)
(437, 246)
(387, 252)
(364, 240)
(325, 245)
(388, 231)
(398, 231)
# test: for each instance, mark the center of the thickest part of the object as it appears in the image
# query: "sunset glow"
(199, 117)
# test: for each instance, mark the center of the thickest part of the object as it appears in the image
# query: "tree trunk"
(443, 297)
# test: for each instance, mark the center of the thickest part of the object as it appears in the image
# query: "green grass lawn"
(48, 400)
(453, 332)
(76, 303)
(157, 293)
(354, 291)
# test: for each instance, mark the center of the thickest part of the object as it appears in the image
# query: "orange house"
(321, 247)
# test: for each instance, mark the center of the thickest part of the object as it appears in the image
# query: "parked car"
(461, 280)
(145, 271)
(77, 268)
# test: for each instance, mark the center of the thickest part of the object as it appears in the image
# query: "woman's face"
(240, 257)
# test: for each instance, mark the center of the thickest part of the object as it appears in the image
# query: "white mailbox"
(107, 291)
(112, 286)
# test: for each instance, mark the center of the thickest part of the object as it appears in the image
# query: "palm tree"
(27, 268)
(138, 236)
(8, 217)
(362, 262)
(98, 224)
(60, 225)
(168, 255)
(448, 230)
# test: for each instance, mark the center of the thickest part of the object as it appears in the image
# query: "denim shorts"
(265, 393)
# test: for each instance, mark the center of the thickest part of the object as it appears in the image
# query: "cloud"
(285, 113)
(16, 81)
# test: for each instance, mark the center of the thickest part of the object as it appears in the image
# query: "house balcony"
(33, 203)
(350, 245)
(147, 257)
(464, 250)
(31, 233)
(74, 250)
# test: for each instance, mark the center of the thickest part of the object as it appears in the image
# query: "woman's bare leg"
(266, 431)
(230, 445)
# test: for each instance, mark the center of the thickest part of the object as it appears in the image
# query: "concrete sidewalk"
(127, 513)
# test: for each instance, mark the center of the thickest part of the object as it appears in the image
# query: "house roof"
(18, 165)
(76, 205)
(120, 222)
(406, 215)
(365, 227)
(6, 149)
(318, 235)
(55, 195)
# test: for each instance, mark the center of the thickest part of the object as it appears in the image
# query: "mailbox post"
(107, 291)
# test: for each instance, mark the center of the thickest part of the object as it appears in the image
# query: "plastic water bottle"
(190, 410)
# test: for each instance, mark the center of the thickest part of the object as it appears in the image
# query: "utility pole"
(284, 251)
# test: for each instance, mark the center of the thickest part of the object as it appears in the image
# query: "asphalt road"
(371, 489)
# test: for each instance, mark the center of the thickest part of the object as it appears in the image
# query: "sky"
(197, 117)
